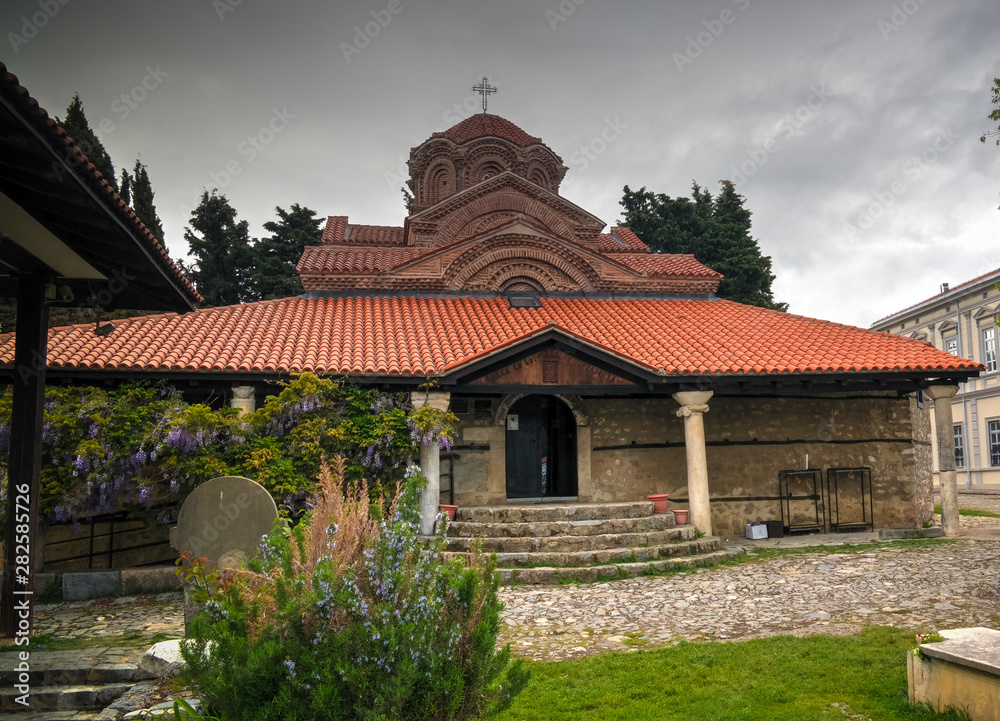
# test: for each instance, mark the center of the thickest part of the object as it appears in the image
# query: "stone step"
(59, 716)
(541, 529)
(72, 668)
(610, 555)
(609, 572)
(554, 512)
(65, 697)
(566, 544)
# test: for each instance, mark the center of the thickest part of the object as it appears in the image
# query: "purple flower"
(174, 486)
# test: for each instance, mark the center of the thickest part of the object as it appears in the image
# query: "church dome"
(484, 125)
(474, 150)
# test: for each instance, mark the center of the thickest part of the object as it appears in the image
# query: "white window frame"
(988, 339)
(958, 433)
(951, 345)
(993, 437)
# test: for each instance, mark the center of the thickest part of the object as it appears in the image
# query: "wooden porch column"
(24, 470)
(430, 462)
(944, 426)
(694, 404)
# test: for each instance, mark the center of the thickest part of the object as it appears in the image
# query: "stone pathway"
(941, 586)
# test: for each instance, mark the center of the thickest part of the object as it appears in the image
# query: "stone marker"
(224, 520)
(162, 660)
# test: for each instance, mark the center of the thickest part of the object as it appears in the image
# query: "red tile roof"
(482, 125)
(339, 232)
(327, 259)
(57, 138)
(621, 240)
(664, 265)
(421, 336)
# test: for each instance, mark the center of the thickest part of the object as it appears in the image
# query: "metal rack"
(860, 511)
(802, 511)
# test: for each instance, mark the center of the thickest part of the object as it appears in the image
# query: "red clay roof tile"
(621, 240)
(420, 336)
(482, 125)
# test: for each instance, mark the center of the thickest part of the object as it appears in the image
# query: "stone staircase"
(548, 544)
(69, 684)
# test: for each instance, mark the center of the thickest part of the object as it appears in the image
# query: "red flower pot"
(681, 516)
(659, 502)
(449, 509)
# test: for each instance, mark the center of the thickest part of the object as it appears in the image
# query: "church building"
(583, 367)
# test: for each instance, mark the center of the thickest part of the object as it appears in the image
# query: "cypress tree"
(221, 251)
(142, 200)
(274, 274)
(78, 128)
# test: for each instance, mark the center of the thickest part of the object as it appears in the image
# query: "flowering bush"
(347, 616)
(141, 446)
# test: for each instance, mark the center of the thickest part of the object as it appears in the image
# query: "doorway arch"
(540, 448)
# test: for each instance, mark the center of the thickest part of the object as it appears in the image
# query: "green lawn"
(975, 512)
(773, 679)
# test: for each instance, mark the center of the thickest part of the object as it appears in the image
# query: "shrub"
(350, 616)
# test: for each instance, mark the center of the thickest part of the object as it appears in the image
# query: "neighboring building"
(963, 321)
(582, 366)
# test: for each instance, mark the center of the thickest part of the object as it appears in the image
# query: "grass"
(971, 512)
(778, 679)
(129, 639)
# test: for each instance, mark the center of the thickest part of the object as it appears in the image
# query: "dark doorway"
(541, 449)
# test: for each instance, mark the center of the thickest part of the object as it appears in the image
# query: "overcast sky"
(851, 127)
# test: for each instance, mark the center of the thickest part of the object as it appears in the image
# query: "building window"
(990, 348)
(951, 346)
(959, 446)
(994, 431)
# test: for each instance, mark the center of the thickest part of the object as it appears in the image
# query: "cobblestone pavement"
(942, 586)
(945, 585)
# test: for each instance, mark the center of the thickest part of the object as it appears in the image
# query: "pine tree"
(715, 230)
(77, 127)
(142, 200)
(125, 187)
(274, 274)
(221, 252)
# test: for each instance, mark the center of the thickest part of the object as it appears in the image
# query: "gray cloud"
(350, 118)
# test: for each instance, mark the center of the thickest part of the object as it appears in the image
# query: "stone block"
(162, 660)
(962, 672)
(90, 584)
(893, 534)
(136, 581)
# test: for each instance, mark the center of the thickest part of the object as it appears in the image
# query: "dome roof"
(483, 125)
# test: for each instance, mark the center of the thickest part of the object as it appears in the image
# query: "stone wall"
(637, 448)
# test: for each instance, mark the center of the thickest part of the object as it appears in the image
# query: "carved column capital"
(685, 411)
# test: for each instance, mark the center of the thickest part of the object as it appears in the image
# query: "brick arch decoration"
(439, 182)
(554, 170)
(573, 401)
(545, 257)
(463, 222)
(488, 154)
(502, 276)
(538, 176)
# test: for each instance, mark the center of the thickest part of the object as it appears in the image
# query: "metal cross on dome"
(485, 89)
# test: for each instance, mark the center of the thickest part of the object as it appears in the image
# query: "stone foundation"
(636, 447)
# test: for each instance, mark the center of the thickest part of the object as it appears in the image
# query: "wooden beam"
(24, 469)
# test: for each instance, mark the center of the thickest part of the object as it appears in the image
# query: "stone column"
(694, 405)
(944, 426)
(243, 399)
(430, 461)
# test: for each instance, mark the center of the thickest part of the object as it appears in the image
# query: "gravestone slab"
(224, 520)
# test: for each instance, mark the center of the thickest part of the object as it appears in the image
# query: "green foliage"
(78, 128)
(715, 230)
(816, 678)
(141, 446)
(142, 200)
(995, 115)
(275, 257)
(220, 247)
(349, 616)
